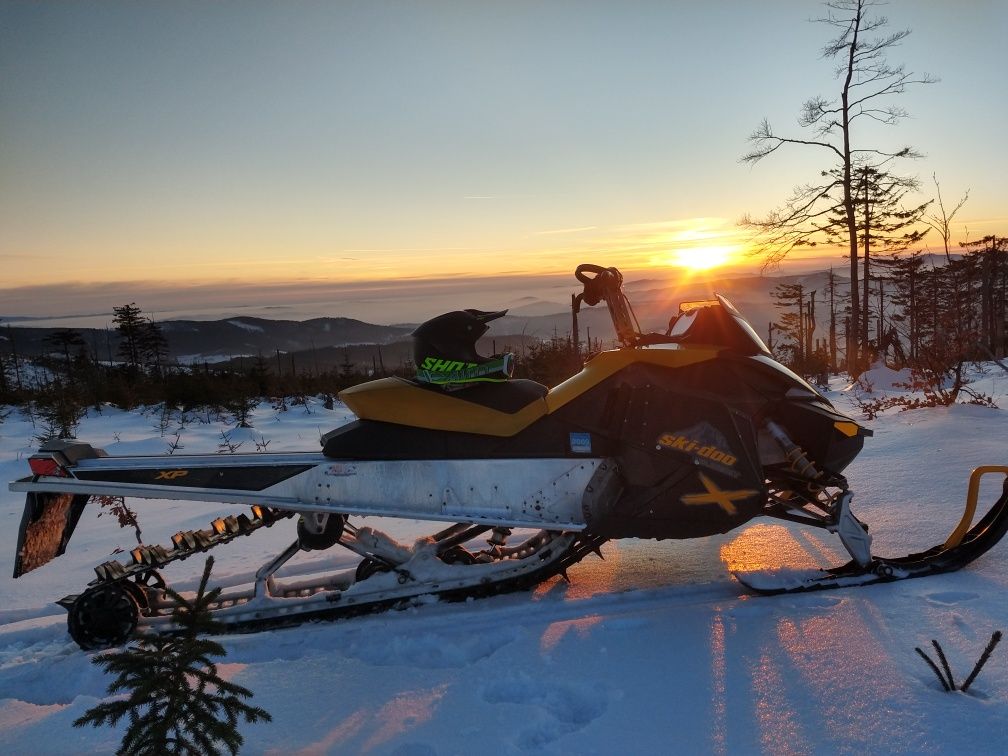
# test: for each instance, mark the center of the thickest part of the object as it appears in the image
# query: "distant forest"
(915, 314)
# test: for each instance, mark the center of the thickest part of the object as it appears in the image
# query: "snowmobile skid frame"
(685, 434)
(390, 575)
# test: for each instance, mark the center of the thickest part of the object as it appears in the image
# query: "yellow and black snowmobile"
(681, 434)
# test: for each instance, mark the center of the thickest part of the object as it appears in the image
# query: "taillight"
(46, 466)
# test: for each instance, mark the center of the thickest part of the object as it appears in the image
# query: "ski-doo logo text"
(692, 446)
(445, 366)
(171, 474)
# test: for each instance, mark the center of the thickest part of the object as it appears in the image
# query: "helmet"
(444, 350)
(448, 342)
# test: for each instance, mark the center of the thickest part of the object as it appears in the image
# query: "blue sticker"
(580, 443)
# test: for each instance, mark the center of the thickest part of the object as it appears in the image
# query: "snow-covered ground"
(654, 650)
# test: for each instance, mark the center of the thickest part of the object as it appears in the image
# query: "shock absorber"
(853, 533)
(794, 454)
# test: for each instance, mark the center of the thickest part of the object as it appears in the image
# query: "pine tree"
(177, 703)
(907, 275)
(153, 346)
(790, 299)
(883, 223)
(130, 325)
(990, 274)
(65, 339)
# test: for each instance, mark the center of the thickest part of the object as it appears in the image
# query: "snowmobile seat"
(493, 409)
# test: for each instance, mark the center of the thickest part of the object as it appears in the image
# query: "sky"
(180, 151)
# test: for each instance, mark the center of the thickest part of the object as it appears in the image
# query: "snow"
(246, 326)
(881, 377)
(654, 650)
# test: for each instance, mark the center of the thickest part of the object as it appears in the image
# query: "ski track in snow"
(652, 651)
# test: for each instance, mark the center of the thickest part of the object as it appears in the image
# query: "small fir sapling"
(175, 700)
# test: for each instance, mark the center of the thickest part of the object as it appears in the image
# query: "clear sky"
(186, 143)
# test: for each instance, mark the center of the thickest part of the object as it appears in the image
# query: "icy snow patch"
(246, 326)
(880, 377)
(428, 650)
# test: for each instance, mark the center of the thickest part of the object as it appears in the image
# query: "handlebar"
(607, 284)
(584, 268)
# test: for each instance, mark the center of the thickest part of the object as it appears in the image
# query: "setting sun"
(702, 258)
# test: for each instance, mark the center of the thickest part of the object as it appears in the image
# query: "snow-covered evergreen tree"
(176, 701)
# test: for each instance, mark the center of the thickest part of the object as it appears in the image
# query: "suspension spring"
(796, 457)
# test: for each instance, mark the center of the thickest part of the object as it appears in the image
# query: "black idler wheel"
(458, 555)
(103, 616)
(369, 567)
(329, 536)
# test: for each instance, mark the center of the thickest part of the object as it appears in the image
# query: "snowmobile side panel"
(525, 493)
(48, 522)
(549, 437)
(606, 364)
(690, 465)
(233, 477)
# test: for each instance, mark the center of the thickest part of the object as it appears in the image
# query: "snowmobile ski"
(962, 547)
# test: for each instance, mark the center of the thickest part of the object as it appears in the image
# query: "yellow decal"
(847, 428)
(724, 499)
(691, 446)
(171, 474)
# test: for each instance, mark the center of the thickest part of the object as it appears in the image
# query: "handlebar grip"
(583, 268)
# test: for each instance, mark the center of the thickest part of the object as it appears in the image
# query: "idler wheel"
(457, 555)
(369, 567)
(104, 615)
(142, 585)
(328, 537)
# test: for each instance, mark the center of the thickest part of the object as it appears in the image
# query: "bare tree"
(867, 82)
(941, 220)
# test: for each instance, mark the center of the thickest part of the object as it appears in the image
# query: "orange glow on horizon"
(705, 258)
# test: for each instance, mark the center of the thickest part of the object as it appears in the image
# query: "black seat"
(509, 396)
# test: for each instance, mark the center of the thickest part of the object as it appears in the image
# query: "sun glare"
(702, 258)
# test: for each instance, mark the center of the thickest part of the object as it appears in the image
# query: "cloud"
(578, 230)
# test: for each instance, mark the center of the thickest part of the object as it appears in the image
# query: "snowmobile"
(682, 434)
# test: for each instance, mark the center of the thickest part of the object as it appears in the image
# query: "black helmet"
(451, 338)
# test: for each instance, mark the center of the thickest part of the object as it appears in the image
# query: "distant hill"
(216, 339)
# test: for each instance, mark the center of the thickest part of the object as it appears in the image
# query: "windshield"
(718, 323)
